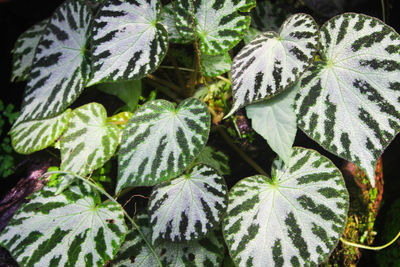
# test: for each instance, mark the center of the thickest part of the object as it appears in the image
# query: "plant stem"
(164, 82)
(383, 10)
(192, 70)
(92, 184)
(249, 160)
(368, 247)
(168, 93)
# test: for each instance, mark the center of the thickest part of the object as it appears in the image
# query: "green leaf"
(267, 16)
(89, 140)
(128, 40)
(295, 219)
(349, 101)
(31, 136)
(272, 62)
(275, 120)
(189, 206)
(134, 252)
(70, 229)
(59, 68)
(169, 22)
(129, 91)
(218, 24)
(160, 141)
(215, 65)
(251, 34)
(215, 159)
(24, 51)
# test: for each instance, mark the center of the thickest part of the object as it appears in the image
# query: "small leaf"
(267, 16)
(70, 229)
(215, 159)
(218, 24)
(272, 62)
(215, 65)
(275, 120)
(24, 51)
(59, 68)
(134, 252)
(128, 40)
(32, 136)
(187, 207)
(295, 219)
(349, 101)
(169, 22)
(128, 91)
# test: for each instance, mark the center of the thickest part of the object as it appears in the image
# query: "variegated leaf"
(218, 24)
(59, 68)
(295, 219)
(89, 140)
(213, 66)
(128, 40)
(215, 159)
(31, 136)
(24, 51)
(70, 229)
(187, 207)
(207, 251)
(267, 16)
(276, 121)
(271, 62)
(169, 22)
(349, 101)
(160, 141)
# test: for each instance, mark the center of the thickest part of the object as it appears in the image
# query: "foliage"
(339, 83)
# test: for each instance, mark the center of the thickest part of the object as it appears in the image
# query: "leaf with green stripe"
(31, 136)
(219, 26)
(272, 62)
(70, 229)
(89, 140)
(349, 101)
(160, 141)
(189, 206)
(24, 51)
(208, 251)
(295, 219)
(213, 66)
(215, 159)
(128, 40)
(169, 22)
(59, 68)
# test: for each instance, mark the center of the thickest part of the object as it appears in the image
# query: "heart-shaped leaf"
(295, 219)
(213, 66)
(70, 229)
(218, 24)
(24, 51)
(89, 140)
(160, 141)
(31, 136)
(187, 207)
(276, 121)
(59, 68)
(128, 40)
(215, 159)
(134, 252)
(271, 62)
(349, 101)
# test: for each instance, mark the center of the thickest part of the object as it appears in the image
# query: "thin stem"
(165, 91)
(192, 70)
(177, 72)
(368, 247)
(92, 184)
(164, 82)
(383, 10)
(224, 79)
(249, 160)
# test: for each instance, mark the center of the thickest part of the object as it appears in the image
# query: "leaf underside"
(295, 220)
(70, 229)
(271, 62)
(349, 101)
(160, 141)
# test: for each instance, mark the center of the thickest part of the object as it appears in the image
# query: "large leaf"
(349, 101)
(128, 91)
(271, 62)
(59, 69)
(276, 121)
(215, 159)
(32, 136)
(208, 251)
(24, 51)
(70, 229)
(160, 141)
(218, 24)
(295, 219)
(187, 207)
(128, 40)
(89, 140)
